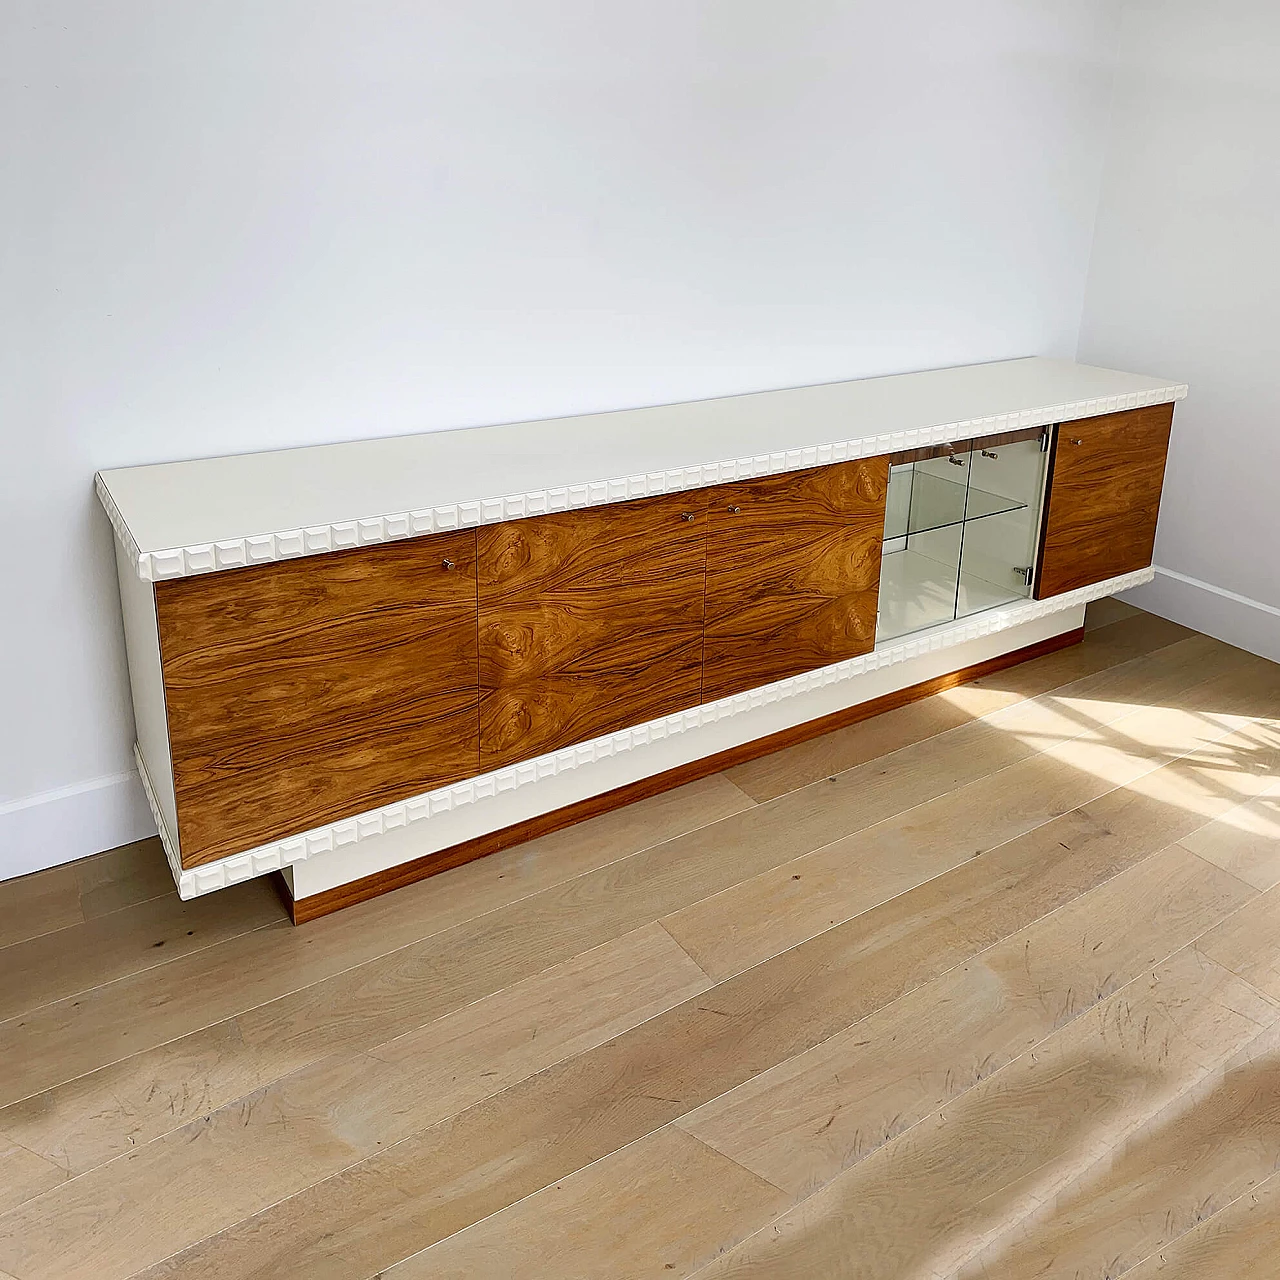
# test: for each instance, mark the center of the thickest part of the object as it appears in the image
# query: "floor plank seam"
(684, 951)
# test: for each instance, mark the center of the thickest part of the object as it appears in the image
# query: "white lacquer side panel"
(649, 747)
(146, 682)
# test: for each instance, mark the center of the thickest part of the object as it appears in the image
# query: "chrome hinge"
(1044, 439)
(1024, 572)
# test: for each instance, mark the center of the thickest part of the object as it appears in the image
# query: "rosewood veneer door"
(793, 573)
(590, 621)
(314, 689)
(1104, 497)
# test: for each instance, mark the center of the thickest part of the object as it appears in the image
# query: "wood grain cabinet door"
(1104, 497)
(793, 573)
(310, 690)
(590, 621)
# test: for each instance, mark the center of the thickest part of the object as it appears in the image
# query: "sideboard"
(358, 664)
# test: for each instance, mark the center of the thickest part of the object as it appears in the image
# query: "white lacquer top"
(181, 518)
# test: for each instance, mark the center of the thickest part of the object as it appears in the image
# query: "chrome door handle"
(449, 564)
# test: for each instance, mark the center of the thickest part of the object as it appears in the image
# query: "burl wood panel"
(310, 690)
(1104, 496)
(590, 621)
(793, 573)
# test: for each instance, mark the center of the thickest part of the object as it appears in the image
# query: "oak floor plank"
(760, 916)
(1102, 613)
(1240, 1242)
(194, 993)
(279, 1038)
(802, 1123)
(39, 903)
(361, 977)
(1245, 841)
(931, 1199)
(104, 948)
(411, 1081)
(66, 895)
(1189, 1162)
(1248, 943)
(176, 1191)
(23, 1174)
(443, 1179)
(111, 1109)
(807, 762)
(654, 1210)
(123, 876)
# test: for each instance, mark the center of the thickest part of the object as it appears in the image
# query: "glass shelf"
(934, 502)
(960, 535)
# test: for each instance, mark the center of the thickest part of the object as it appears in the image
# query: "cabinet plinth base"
(360, 890)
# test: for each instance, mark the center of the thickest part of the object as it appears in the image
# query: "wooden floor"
(986, 987)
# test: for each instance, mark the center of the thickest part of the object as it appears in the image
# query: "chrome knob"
(450, 564)
(955, 462)
(986, 453)
(733, 511)
(687, 516)
(1077, 442)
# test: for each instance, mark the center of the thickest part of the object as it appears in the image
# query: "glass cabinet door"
(960, 533)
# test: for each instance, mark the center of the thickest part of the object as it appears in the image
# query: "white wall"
(1185, 281)
(252, 223)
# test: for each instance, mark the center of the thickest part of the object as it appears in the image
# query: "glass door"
(960, 532)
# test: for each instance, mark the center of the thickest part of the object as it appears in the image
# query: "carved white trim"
(349, 831)
(288, 544)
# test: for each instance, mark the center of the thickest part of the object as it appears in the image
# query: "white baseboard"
(72, 822)
(1225, 615)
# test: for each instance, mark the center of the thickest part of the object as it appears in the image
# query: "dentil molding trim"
(287, 544)
(349, 831)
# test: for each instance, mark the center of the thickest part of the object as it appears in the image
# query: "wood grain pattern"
(688, 1202)
(801, 1124)
(929, 1201)
(957, 1077)
(1106, 741)
(949, 708)
(793, 573)
(173, 1071)
(1105, 479)
(590, 621)
(63, 896)
(322, 904)
(443, 1179)
(1239, 1242)
(1207, 1150)
(312, 1123)
(310, 690)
